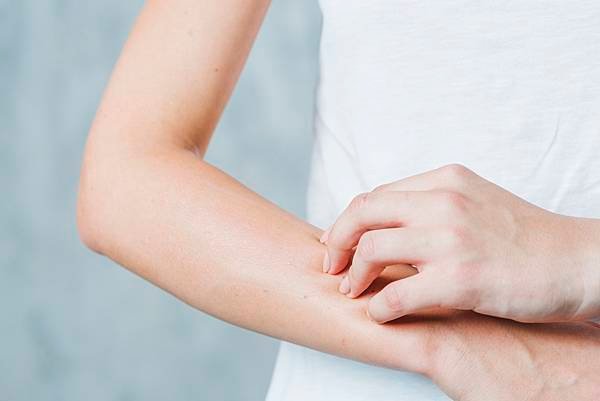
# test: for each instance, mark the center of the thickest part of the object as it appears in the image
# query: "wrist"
(592, 273)
(445, 343)
(587, 264)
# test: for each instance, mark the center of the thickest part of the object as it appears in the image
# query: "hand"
(475, 247)
(483, 358)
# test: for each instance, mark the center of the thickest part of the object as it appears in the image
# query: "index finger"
(372, 211)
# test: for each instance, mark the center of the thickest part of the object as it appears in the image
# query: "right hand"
(475, 245)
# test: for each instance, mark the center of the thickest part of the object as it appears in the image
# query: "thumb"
(412, 294)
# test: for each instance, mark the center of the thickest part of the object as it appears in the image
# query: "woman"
(510, 90)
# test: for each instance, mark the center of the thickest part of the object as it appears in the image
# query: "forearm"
(192, 230)
(208, 240)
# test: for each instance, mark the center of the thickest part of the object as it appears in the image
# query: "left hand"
(475, 247)
(483, 358)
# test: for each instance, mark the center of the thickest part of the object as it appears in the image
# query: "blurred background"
(73, 325)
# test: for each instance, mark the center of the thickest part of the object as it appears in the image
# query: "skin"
(475, 246)
(148, 201)
(514, 361)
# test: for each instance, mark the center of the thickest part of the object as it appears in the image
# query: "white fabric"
(511, 89)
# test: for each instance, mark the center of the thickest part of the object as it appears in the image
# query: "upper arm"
(176, 72)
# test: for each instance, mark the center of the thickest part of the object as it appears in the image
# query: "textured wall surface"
(73, 325)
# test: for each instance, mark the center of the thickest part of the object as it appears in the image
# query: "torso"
(509, 89)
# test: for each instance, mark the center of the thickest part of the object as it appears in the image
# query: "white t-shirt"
(511, 89)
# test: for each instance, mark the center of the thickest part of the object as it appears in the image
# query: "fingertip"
(358, 285)
(371, 317)
(356, 288)
(368, 314)
(326, 262)
(335, 269)
(353, 293)
(325, 236)
(333, 261)
(378, 321)
(378, 310)
(344, 287)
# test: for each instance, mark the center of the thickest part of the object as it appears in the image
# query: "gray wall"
(74, 326)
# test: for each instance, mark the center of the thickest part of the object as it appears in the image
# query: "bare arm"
(149, 202)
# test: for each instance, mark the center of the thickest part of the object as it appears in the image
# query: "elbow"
(89, 232)
(90, 228)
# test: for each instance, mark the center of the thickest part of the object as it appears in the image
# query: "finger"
(422, 291)
(380, 248)
(452, 176)
(323, 238)
(377, 210)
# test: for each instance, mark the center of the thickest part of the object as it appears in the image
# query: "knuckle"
(359, 202)
(457, 169)
(456, 173)
(366, 249)
(453, 203)
(457, 238)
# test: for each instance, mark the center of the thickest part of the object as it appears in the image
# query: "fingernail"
(324, 236)
(326, 262)
(345, 285)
